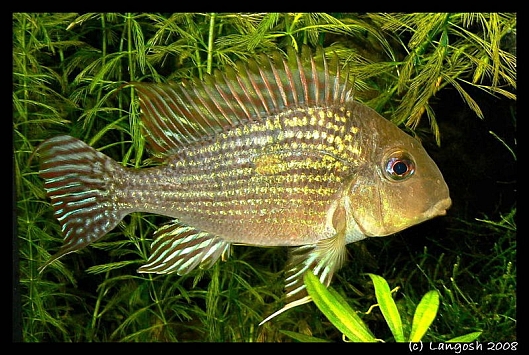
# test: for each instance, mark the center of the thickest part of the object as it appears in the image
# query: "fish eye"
(399, 166)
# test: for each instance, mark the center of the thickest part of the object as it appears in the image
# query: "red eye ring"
(399, 166)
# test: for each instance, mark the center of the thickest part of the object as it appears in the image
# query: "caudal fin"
(76, 180)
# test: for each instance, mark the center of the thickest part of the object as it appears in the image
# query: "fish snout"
(440, 208)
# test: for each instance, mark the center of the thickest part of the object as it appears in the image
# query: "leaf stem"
(211, 36)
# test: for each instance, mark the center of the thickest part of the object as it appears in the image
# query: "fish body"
(272, 153)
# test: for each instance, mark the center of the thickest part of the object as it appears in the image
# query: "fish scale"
(274, 152)
(206, 186)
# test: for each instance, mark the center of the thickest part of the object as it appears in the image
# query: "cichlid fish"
(274, 152)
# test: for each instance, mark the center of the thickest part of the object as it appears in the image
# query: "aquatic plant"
(354, 329)
(68, 76)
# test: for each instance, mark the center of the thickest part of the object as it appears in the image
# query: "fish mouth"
(440, 208)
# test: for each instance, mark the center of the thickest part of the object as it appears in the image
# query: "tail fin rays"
(75, 178)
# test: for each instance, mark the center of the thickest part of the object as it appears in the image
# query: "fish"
(273, 151)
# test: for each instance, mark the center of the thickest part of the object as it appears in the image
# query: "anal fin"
(323, 259)
(180, 248)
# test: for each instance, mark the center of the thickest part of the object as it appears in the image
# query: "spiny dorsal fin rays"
(231, 73)
(211, 105)
(251, 100)
(290, 78)
(303, 80)
(346, 92)
(336, 90)
(177, 114)
(315, 82)
(169, 128)
(263, 87)
(180, 248)
(277, 77)
(198, 114)
(225, 92)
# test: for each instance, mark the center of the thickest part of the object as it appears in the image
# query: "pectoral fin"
(323, 259)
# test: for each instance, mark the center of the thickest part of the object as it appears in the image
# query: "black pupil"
(400, 168)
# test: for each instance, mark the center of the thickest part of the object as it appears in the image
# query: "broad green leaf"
(465, 338)
(336, 309)
(424, 315)
(388, 307)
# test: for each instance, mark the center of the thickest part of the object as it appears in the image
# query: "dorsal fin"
(176, 114)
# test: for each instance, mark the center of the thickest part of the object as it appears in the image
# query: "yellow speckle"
(268, 164)
(339, 118)
(330, 126)
(355, 150)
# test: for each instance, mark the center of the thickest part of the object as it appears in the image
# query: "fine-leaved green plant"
(69, 77)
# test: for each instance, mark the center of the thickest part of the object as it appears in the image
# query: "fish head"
(399, 185)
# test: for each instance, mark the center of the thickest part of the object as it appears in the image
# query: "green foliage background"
(449, 79)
